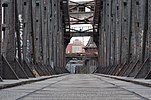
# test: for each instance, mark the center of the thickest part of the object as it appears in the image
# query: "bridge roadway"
(78, 87)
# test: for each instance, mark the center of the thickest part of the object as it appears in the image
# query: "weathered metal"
(124, 37)
(35, 33)
(32, 38)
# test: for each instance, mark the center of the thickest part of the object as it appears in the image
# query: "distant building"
(75, 47)
(91, 48)
(91, 51)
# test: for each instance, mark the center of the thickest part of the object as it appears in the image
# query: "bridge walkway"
(78, 87)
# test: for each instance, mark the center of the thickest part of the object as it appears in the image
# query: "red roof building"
(75, 47)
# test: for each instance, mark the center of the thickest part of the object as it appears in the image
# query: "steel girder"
(124, 37)
(31, 39)
(0, 40)
(79, 17)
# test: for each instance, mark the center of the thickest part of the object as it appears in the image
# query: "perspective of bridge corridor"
(75, 49)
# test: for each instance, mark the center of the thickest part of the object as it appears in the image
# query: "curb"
(4, 86)
(126, 80)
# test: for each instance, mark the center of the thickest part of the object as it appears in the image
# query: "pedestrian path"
(140, 81)
(12, 83)
(78, 87)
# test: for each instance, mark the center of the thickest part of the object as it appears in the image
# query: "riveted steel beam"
(124, 37)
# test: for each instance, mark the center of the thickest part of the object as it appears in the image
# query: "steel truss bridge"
(35, 34)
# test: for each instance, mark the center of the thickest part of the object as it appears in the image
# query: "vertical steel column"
(100, 50)
(26, 31)
(144, 68)
(54, 27)
(36, 36)
(139, 28)
(25, 15)
(132, 40)
(50, 35)
(5, 29)
(43, 34)
(37, 30)
(127, 36)
(148, 76)
(113, 32)
(108, 36)
(0, 40)
(47, 19)
(145, 31)
(12, 69)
